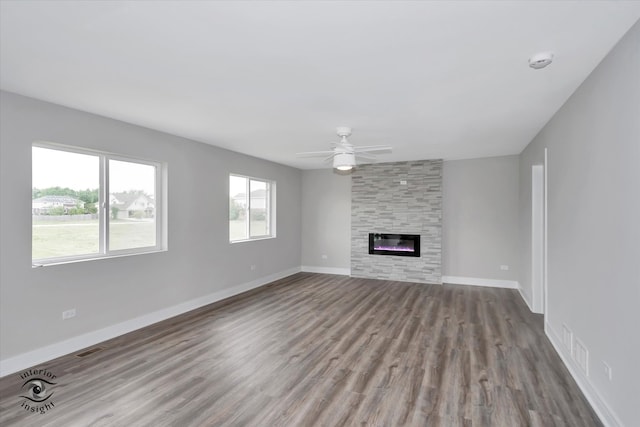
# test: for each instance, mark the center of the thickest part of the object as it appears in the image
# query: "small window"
(251, 208)
(88, 204)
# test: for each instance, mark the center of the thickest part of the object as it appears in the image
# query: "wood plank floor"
(322, 350)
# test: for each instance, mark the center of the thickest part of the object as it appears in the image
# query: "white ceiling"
(437, 79)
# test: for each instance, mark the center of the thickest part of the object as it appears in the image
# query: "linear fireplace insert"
(394, 244)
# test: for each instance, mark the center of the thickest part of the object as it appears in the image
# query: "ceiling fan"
(344, 154)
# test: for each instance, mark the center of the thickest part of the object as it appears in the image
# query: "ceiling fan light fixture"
(344, 161)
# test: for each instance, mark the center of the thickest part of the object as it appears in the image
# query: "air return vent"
(90, 351)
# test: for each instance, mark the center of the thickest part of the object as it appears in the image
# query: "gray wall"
(480, 218)
(594, 223)
(479, 223)
(326, 220)
(381, 203)
(200, 260)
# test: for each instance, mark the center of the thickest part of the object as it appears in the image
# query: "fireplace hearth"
(394, 244)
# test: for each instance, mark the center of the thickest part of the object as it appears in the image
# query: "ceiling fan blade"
(315, 153)
(373, 149)
(329, 159)
(364, 156)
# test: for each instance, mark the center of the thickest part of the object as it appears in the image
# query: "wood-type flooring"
(321, 350)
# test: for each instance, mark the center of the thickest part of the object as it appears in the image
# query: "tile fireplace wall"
(402, 198)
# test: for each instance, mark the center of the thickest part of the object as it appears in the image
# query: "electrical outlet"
(403, 182)
(253, 267)
(504, 267)
(324, 256)
(607, 370)
(68, 314)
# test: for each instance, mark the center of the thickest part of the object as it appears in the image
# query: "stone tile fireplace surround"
(398, 198)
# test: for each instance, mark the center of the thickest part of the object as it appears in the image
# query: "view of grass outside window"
(249, 208)
(70, 219)
(65, 193)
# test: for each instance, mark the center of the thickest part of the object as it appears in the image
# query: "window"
(251, 208)
(87, 204)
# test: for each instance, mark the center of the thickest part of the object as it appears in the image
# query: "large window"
(88, 204)
(251, 208)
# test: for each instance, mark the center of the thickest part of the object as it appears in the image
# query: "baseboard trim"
(50, 352)
(473, 281)
(326, 270)
(526, 301)
(607, 416)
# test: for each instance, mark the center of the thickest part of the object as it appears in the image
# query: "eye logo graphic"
(36, 391)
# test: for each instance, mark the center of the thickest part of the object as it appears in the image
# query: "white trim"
(604, 412)
(327, 270)
(545, 261)
(537, 238)
(50, 352)
(473, 281)
(524, 297)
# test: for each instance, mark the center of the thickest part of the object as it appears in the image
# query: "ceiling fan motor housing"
(343, 131)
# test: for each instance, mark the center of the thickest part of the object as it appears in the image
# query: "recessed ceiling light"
(540, 60)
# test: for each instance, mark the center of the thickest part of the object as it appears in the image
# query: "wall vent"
(567, 338)
(581, 356)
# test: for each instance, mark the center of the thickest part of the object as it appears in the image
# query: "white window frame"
(104, 208)
(270, 208)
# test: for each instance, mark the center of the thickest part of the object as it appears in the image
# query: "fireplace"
(394, 244)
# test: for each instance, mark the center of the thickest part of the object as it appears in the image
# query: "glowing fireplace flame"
(393, 248)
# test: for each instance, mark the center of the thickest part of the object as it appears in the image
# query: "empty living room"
(319, 213)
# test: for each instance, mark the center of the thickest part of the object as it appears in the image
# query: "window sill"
(45, 263)
(253, 239)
